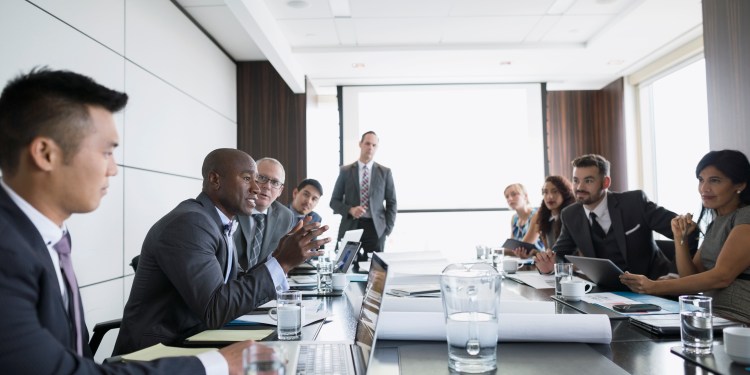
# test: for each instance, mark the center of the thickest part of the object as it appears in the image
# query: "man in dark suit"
(260, 232)
(365, 197)
(305, 198)
(57, 136)
(604, 224)
(187, 279)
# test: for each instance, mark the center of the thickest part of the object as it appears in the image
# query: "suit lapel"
(615, 214)
(585, 245)
(221, 255)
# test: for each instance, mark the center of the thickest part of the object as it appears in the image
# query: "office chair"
(102, 328)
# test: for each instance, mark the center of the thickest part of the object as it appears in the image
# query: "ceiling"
(570, 44)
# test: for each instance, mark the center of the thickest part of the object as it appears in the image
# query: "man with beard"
(605, 224)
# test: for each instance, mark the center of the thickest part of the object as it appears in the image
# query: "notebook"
(341, 357)
(669, 324)
(346, 257)
(601, 271)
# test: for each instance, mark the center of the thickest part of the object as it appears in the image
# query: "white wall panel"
(108, 27)
(167, 130)
(163, 41)
(97, 238)
(102, 302)
(30, 37)
(149, 197)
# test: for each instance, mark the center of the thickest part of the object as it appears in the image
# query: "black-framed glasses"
(275, 184)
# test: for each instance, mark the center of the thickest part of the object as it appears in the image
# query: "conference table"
(632, 350)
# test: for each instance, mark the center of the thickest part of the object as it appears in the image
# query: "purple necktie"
(63, 251)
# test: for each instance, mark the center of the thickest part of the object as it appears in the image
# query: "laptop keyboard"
(322, 359)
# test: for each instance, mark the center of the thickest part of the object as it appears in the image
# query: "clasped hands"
(682, 226)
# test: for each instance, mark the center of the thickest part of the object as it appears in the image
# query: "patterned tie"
(62, 248)
(260, 225)
(364, 189)
(230, 249)
(595, 227)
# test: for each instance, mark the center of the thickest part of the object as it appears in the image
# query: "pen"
(689, 216)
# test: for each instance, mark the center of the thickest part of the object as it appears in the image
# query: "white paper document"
(538, 281)
(430, 326)
(308, 317)
(513, 304)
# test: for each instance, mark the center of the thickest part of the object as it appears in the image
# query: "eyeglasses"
(275, 184)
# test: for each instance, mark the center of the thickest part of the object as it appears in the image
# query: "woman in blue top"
(518, 200)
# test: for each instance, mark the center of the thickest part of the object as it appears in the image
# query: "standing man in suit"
(605, 224)
(261, 231)
(365, 197)
(305, 198)
(187, 279)
(57, 136)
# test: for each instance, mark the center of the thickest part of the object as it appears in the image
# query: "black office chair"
(102, 328)
(667, 247)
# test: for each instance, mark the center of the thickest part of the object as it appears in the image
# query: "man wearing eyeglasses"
(260, 232)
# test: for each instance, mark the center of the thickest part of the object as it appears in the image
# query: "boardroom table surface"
(632, 349)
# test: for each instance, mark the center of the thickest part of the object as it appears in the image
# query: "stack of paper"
(162, 351)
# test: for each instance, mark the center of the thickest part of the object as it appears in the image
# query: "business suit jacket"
(36, 334)
(634, 218)
(179, 287)
(315, 216)
(279, 221)
(382, 198)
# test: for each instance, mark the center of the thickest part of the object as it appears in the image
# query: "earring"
(739, 191)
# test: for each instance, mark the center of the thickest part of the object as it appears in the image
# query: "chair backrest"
(101, 329)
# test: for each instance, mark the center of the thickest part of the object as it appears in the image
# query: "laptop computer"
(669, 324)
(350, 235)
(341, 357)
(346, 257)
(601, 271)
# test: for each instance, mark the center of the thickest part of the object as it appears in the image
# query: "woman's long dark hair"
(545, 226)
(733, 164)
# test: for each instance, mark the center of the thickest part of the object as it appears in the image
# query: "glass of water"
(696, 325)
(563, 271)
(263, 359)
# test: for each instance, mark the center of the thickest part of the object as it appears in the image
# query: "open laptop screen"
(371, 304)
(346, 257)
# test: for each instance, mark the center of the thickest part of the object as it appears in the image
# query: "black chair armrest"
(100, 330)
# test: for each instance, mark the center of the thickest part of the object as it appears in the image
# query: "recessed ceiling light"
(297, 4)
(505, 62)
(358, 65)
(615, 62)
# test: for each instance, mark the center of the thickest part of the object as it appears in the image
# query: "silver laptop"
(350, 236)
(601, 271)
(320, 357)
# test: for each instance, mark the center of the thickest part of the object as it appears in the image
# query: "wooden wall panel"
(585, 122)
(726, 36)
(271, 121)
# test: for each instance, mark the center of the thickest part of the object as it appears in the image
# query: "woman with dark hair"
(721, 267)
(557, 193)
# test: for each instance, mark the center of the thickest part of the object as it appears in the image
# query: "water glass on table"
(264, 359)
(288, 314)
(696, 324)
(325, 274)
(563, 271)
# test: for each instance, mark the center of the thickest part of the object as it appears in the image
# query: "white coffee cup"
(340, 281)
(573, 290)
(737, 344)
(511, 265)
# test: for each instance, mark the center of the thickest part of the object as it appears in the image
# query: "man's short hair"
(312, 182)
(366, 133)
(49, 103)
(592, 160)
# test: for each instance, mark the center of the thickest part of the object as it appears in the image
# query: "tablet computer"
(513, 244)
(601, 271)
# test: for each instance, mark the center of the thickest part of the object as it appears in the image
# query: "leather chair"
(102, 328)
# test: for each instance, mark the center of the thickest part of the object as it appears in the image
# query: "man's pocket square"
(635, 228)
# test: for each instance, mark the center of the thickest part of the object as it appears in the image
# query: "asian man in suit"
(365, 197)
(188, 280)
(57, 136)
(605, 224)
(259, 233)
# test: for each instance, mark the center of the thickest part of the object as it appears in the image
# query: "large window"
(674, 115)
(452, 150)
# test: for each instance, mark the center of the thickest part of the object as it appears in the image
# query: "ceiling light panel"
(500, 7)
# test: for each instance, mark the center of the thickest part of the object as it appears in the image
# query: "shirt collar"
(49, 231)
(225, 220)
(601, 210)
(369, 164)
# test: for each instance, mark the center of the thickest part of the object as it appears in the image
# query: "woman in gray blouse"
(721, 266)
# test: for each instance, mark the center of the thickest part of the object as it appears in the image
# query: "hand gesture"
(637, 283)
(682, 226)
(545, 261)
(300, 244)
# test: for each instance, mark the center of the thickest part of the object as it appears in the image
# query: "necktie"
(62, 248)
(595, 227)
(364, 189)
(230, 250)
(260, 225)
